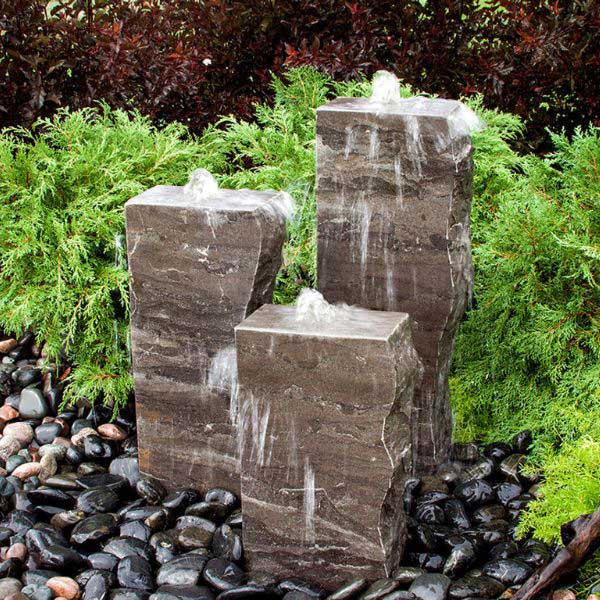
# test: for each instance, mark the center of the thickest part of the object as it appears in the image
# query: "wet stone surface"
(90, 527)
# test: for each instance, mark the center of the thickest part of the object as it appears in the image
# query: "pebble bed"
(78, 521)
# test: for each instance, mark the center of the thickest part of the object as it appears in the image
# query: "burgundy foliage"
(193, 60)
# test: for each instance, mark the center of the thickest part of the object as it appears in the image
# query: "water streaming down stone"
(394, 216)
(201, 259)
(222, 376)
(119, 262)
(325, 404)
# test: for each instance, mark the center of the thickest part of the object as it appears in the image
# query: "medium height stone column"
(394, 190)
(200, 260)
(325, 406)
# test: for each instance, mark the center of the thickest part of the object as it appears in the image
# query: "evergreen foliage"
(527, 356)
(588, 577)
(62, 264)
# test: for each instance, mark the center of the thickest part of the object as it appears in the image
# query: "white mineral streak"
(312, 306)
(309, 503)
(292, 466)
(222, 376)
(259, 422)
(201, 185)
(385, 87)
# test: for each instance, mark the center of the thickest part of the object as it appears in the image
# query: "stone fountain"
(393, 196)
(325, 397)
(316, 413)
(201, 259)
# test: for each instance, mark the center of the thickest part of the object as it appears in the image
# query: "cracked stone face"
(324, 423)
(196, 270)
(393, 199)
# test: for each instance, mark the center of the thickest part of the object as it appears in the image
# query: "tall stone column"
(325, 412)
(393, 196)
(200, 260)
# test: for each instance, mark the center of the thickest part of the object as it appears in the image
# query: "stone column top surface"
(418, 106)
(424, 117)
(349, 322)
(222, 200)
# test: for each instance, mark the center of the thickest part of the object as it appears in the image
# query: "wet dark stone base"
(76, 518)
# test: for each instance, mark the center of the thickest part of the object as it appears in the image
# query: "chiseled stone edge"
(409, 372)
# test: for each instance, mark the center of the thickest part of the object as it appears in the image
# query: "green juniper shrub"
(528, 355)
(62, 190)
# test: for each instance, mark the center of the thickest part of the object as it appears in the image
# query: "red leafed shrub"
(192, 60)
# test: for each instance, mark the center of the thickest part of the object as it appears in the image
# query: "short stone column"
(325, 411)
(393, 195)
(200, 260)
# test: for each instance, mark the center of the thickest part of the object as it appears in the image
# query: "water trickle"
(385, 87)
(389, 278)
(222, 376)
(120, 250)
(373, 144)
(260, 424)
(398, 181)
(309, 503)
(120, 262)
(201, 184)
(364, 241)
(116, 340)
(292, 465)
(350, 136)
(414, 143)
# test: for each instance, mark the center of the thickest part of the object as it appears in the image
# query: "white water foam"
(311, 305)
(201, 185)
(284, 205)
(385, 87)
(464, 122)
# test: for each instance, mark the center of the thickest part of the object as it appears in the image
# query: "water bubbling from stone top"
(386, 87)
(464, 122)
(311, 305)
(284, 204)
(203, 188)
(201, 184)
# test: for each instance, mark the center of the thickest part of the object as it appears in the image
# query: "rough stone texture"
(324, 420)
(394, 190)
(197, 269)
